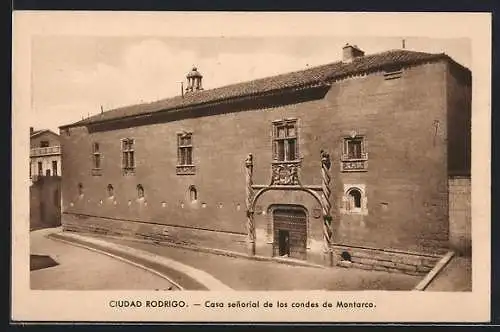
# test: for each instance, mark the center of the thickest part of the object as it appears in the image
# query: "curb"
(221, 252)
(201, 277)
(424, 283)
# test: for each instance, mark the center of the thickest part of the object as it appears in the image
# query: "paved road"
(82, 269)
(242, 274)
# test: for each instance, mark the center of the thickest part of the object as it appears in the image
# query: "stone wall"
(405, 182)
(45, 202)
(460, 214)
(165, 234)
(385, 260)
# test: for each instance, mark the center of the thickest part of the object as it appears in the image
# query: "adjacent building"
(346, 163)
(45, 153)
(45, 179)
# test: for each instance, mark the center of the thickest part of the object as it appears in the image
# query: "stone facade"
(460, 214)
(404, 122)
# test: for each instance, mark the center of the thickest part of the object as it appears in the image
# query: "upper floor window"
(185, 165)
(354, 148)
(44, 144)
(128, 155)
(96, 156)
(285, 147)
(185, 149)
(354, 156)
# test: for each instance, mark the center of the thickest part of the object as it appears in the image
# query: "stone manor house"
(362, 162)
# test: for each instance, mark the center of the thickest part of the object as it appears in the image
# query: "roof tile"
(323, 73)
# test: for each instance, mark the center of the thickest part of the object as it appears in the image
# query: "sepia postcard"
(251, 167)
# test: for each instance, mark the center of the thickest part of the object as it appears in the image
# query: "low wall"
(45, 202)
(384, 260)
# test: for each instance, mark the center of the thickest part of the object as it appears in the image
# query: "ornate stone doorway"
(285, 176)
(290, 232)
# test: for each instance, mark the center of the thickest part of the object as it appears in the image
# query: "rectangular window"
(54, 167)
(44, 144)
(128, 155)
(185, 149)
(185, 164)
(96, 156)
(40, 168)
(354, 148)
(354, 156)
(285, 147)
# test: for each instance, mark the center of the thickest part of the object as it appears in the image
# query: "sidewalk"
(61, 266)
(455, 277)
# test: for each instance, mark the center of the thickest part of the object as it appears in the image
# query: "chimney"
(31, 131)
(350, 52)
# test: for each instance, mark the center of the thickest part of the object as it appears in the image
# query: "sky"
(73, 76)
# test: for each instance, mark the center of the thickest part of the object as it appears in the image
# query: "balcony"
(47, 151)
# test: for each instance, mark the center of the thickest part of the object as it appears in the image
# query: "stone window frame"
(127, 146)
(182, 167)
(347, 200)
(96, 159)
(193, 194)
(357, 164)
(286, 122)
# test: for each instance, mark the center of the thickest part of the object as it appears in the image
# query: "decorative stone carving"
(285, 173)
(353, 165)
(185, 170)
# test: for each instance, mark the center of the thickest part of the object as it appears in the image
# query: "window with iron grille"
(128, 155)
(285, 140)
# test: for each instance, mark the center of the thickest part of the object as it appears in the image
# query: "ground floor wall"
(45, 202)
(460, 214)
(162, 233)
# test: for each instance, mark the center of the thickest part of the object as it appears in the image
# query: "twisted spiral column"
(326, 206)
(249, 197)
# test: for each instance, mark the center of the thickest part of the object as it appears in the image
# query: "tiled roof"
(297, 79)
(41, 131)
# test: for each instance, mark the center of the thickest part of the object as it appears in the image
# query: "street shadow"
(38, 262)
